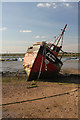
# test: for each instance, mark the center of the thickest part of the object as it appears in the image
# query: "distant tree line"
(22, 54)
(12, 54)
(70, 54)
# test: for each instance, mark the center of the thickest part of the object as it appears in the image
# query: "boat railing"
(62, 54)
(54, 48)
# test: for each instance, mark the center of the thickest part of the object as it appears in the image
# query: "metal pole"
(61, 34)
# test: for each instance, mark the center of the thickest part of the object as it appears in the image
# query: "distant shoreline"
(22, 54)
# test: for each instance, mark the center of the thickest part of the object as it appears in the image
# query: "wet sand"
(51, 98)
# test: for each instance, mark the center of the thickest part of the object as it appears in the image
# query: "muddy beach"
(50, 98)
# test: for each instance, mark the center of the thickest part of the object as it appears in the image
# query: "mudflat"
(45, 100)
(48, 98)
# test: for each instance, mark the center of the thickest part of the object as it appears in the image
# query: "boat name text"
(51, 57)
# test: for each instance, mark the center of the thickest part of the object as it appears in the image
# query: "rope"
(56, 39)
(34, 84)
(41, 65)
(45, 57)
(74, 90)
(62, 41)
(40, 68)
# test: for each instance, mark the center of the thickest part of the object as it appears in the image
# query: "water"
(14, 66)
(12, 58)
(11, 66)
(71, 64)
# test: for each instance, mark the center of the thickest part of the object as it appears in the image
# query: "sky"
(24, 23)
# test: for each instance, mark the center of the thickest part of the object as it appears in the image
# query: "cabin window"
(55, 48)
(49, 45)
(52, 48)
(58, 49)
(31, 48)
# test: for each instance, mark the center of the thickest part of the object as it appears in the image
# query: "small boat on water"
(73, 58)
(20, 59)
(1, 59)
(41, 59)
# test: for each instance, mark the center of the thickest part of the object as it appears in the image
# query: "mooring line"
(74, 90)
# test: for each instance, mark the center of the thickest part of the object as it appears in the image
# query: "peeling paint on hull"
(32, 63)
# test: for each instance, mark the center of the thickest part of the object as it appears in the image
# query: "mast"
(61, 34)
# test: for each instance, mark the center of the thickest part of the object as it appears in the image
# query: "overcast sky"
(24, 23)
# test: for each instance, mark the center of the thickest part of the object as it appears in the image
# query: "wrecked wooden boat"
(42, 60)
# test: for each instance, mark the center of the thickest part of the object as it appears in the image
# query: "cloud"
(43, 36)
(54, 5)
(37, 37)
(40, 5)
(47, 5)
(44, 5)
(3, 29)
(67, 5)
(25, 31)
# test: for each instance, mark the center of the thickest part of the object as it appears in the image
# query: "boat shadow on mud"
(59, 78)
(63, 78)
